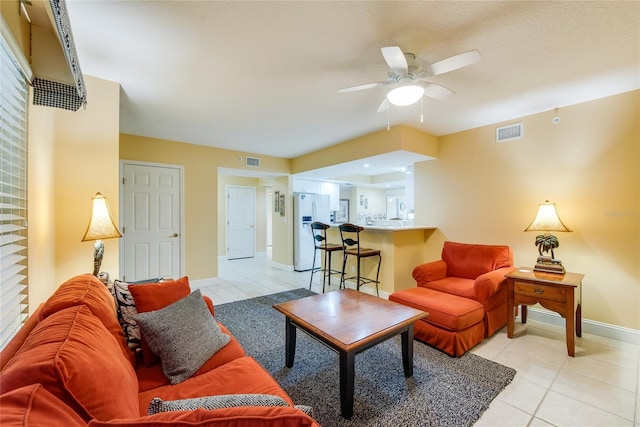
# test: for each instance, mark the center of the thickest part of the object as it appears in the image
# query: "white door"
(240, 222)
(151, 208)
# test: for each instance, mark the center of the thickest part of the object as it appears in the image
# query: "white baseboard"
(589, 326)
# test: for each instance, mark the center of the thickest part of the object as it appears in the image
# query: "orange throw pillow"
(154, 296)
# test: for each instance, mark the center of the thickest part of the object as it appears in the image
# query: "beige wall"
(72, 155)
(17, 24)
(282, 228)
(201, 191)
(588, 164)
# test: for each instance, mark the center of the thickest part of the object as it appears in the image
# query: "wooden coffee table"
(349, 322)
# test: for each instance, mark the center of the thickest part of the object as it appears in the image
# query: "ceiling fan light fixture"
(405, 95)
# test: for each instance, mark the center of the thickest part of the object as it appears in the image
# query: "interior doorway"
(240, 221)
(151, 212)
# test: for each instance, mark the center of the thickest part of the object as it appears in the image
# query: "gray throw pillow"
(183, 334)
(222, 401)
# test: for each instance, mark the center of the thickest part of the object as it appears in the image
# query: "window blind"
(13, 195)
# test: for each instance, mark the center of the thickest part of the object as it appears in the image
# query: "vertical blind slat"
(13, 196)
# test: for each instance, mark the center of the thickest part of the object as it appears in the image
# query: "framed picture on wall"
(282, 205)
(276, 202)
(343, 214)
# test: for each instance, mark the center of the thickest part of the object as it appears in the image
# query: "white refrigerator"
(307, 208)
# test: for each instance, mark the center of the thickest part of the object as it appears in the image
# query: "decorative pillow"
(215, 402)
(127, 312)
(158, 405)
(154, 296)
(184, 334)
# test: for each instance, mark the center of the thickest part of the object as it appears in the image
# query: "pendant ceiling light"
(405, 95)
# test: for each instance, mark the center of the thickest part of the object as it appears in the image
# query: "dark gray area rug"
(444, 391)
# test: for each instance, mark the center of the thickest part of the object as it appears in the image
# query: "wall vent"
(509, 132)
(253, 161)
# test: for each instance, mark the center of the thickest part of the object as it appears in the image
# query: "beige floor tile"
(502, 414)
(492, 347)
(528, 365)
(596, 393)
(537, 422)
(560, 410)
(523, 395)
(626, 379)
(613, 355)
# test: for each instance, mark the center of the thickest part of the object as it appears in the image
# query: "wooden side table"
(561, 293)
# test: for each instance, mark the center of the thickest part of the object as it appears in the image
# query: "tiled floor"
(599, 387)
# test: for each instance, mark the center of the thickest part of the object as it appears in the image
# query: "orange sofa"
(465, 293)
(70, 365)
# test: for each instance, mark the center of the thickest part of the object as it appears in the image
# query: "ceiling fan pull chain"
(388, 113)
(422, 110)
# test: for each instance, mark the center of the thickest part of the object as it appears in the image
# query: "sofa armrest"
(430, 271)
(489, 284)
(209, 303)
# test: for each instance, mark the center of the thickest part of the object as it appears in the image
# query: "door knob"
(174, 235)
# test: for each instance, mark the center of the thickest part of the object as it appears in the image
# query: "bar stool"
(319, 233)
(350, 235)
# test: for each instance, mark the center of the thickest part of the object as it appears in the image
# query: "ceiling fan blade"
(384, 105)
(433, 90)
(454, 62)
(361, 87)
(395, 59)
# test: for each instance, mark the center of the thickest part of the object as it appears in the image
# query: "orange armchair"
(475, 272)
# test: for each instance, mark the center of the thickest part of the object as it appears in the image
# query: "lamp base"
(98, 252)
(549, 265)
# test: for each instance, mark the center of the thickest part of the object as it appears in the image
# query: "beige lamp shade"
(101, 225)
(547, 219)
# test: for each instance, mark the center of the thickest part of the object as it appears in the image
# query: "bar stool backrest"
(319, 232)
(350, 235)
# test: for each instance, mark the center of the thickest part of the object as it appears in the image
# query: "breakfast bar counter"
(402, 246)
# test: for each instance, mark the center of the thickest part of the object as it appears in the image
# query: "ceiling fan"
(409, 76)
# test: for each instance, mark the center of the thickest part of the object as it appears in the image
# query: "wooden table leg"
(579, 320)
(570, 322)
(407, 351)
(347, 374)
(523, 313)
(289, 343)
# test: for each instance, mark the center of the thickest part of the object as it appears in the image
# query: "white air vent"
(253, 161)
(510, 132)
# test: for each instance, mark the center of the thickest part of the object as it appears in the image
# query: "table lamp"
(100, 227)
(547, 220)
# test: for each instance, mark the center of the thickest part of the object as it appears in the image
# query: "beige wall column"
(72, 155)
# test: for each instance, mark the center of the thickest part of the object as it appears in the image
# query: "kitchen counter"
(403, 247)
(396, 227)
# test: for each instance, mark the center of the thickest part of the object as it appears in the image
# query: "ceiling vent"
(253, 161)
(509, 132)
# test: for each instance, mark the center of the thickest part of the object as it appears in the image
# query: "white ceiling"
(263, 77)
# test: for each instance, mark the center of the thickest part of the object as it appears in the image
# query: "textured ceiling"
(263, 77)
